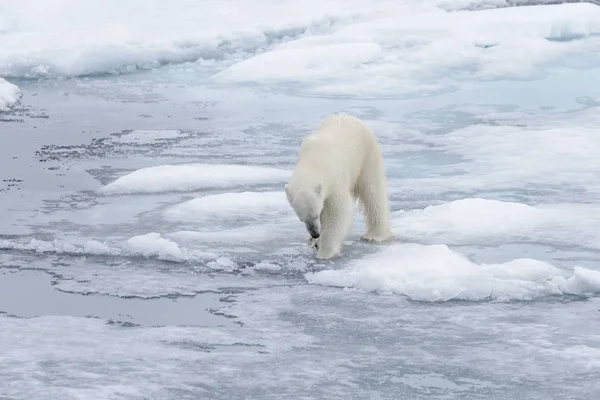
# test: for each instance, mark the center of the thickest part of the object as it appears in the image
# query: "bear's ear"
(285, 187)
(319, 189)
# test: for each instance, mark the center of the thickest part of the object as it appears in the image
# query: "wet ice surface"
(147, 249)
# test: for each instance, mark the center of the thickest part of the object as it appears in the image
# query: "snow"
(399, 52)
(531, 153)
(147, 245)
(386, 49)
(191, 177)
(477, 220)
(71, 38)
(153, 244)
(472, 217)
(9, 95)
(503, 155)
(231, 207)
(96, 247)
(582, 281)
(437, 273)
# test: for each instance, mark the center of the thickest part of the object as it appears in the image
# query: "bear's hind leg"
(372, 193)
(336, 222)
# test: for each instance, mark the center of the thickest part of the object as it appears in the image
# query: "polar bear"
(338, 164)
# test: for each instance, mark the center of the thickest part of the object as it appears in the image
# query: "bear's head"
(307, 202)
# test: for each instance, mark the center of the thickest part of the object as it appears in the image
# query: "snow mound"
(483, 221)
(234, 207)
(470, 218)
(408, 49)
(9, 95)
(437, 273)
(152, 244)
(473, 216)
(190, 177)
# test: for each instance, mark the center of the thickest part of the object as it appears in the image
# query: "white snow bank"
(355, 47)
(190, 177)
(437, 273)
(407, 49)
(472, 217)
(231, 207)
(73, 37)
(478, 221)
(9, 95)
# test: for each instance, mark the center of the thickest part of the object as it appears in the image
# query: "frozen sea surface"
(147, 249)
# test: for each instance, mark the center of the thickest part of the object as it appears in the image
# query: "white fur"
(338, 164)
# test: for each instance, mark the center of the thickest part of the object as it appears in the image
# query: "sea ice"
(437, 273)
(190, 177)
(407, 51)
(486, 221)
(9, 95)
(231, 207)
(152, 244)
(73, 38)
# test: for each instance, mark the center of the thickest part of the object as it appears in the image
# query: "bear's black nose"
(314, 232)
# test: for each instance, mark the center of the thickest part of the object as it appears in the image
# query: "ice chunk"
(231, 207)
(266, 266)
(437, 273)
(96, 247)
(583, 281)
(152, 244)
(190, 177)
(223, 264)
(9, 95)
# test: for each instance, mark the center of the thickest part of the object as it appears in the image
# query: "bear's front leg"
(336, 221)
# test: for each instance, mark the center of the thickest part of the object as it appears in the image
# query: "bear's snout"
(313, 230)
